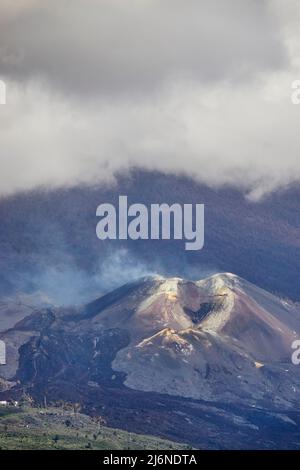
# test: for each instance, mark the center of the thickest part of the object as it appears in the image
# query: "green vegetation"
(55, 428)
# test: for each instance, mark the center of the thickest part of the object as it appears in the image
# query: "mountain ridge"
(48, 241)
(221, 322)
(159, 351)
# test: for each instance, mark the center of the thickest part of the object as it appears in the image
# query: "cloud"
(199, 87)
(124, 46)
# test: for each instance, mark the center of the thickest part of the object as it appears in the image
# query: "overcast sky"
(195, 86)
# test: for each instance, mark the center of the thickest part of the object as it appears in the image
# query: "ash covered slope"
(218, 339)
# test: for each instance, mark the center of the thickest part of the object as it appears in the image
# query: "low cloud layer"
(95, 87)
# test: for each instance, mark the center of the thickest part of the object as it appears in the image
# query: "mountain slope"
(211, 339)
(152, 347)
(57, 429)
(48, 241)
(218, 337)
